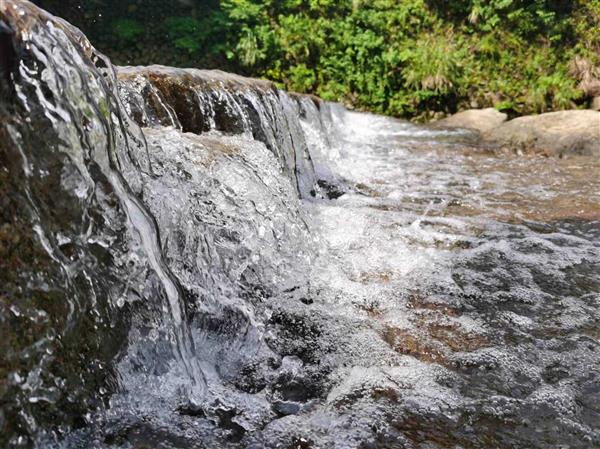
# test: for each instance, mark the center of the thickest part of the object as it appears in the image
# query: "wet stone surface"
(254, 269)
(410, 323)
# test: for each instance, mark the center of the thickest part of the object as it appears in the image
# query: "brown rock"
(563, 133)
(481, 120)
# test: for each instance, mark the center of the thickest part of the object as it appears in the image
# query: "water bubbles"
(15, 310)
(275, 271)
(16, 378)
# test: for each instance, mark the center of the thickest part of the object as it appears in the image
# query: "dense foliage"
(405, 58)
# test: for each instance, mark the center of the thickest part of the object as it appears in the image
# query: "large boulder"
(481, 120)
(563, 133)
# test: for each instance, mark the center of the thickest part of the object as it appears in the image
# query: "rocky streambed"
(192, 259)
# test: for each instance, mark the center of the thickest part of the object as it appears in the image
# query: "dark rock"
(285, 408)
(8, 57)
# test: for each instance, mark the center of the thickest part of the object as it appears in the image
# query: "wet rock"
(140, 434)
(184, 92)
(199, 101)
(563, 133)
(68, 280)
(286, 407)
(7, 52)
(330, 190)
(481, 120)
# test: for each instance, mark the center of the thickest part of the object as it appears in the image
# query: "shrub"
(127, 30)
(405, 58)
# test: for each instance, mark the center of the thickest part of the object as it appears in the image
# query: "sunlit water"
(448, 299)
(255, 269)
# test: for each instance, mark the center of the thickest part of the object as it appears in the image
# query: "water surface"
(202, 260)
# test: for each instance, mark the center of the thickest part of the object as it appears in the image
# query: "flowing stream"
(192, 259)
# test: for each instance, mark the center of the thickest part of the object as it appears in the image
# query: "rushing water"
(254, 269)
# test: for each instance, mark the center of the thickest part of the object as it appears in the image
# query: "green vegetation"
(127, 30)
(411, 58)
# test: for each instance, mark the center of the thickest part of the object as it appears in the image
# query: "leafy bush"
(411, 57)
(185, 33)
(407, 58)
(127, 30)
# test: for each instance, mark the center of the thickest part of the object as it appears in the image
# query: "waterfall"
(200, 101)
(104, 224)
(192, 259)
(93, 156)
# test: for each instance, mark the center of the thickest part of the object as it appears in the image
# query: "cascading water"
(76, 163)
(253, 268)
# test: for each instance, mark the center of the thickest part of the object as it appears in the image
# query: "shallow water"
(256, 269)
(424, 308)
